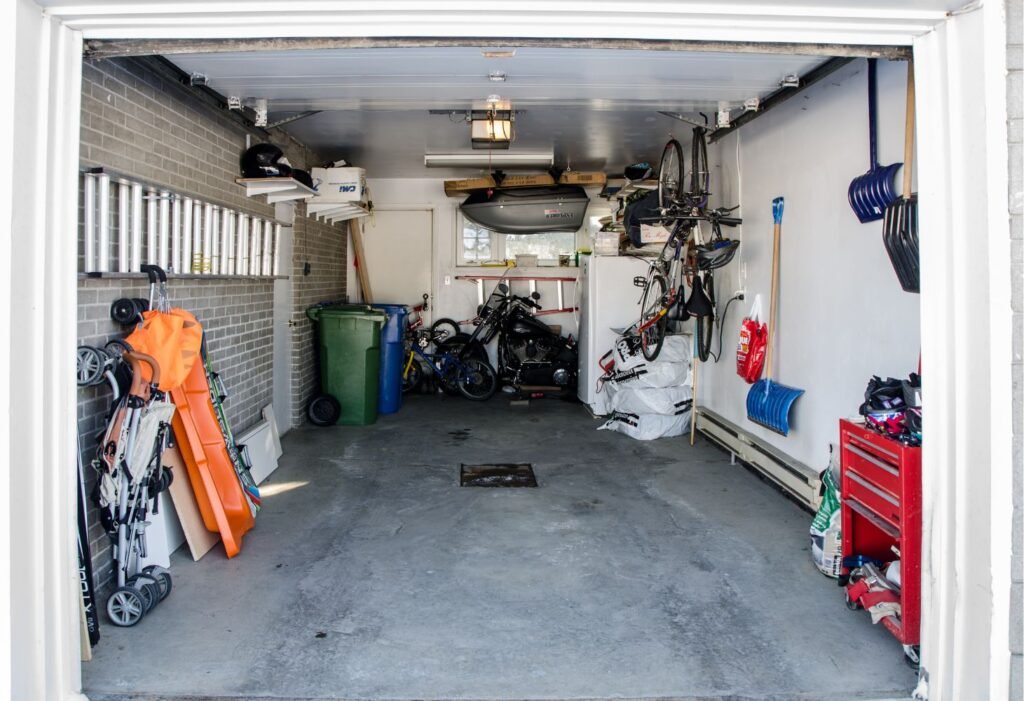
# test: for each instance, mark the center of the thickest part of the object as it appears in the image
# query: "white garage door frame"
(959, 67)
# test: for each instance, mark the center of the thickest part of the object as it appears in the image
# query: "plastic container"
(392, 357)
(349, 352)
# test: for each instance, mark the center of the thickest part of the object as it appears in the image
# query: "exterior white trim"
(966, 343)
(39, 386)
(967, 347)
(845, 23)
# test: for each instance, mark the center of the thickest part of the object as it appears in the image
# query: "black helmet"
(263, 161)
(303, 177)
(638, 171)
(717, 254)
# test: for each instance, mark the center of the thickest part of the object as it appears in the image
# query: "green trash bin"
(350, 358)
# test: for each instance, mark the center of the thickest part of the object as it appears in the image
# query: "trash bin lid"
(317, 310)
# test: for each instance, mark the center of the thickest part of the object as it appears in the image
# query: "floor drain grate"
(497, 475)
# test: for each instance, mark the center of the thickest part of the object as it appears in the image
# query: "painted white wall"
(842, 314)
(458, 299)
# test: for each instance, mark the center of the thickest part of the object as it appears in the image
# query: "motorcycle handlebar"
(527, 301)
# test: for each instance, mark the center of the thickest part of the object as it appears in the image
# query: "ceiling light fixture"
(498, 53)
(522, 159)
(495, 129)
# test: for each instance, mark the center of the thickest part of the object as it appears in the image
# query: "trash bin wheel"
(323, 410)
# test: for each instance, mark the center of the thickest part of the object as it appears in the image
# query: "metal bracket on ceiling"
(752, 104)
(260, 106)
(781, 95)
(198, 79)
(722, 117)
(293, 118)
(470, 115)
(688, 120)
(790, 81)
(234, 102)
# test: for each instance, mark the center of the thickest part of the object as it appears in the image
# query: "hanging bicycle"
(663, 298)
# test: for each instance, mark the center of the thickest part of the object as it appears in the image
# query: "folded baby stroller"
(130, 475)
(160, 353)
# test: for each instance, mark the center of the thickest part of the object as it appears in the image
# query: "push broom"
(768, 402)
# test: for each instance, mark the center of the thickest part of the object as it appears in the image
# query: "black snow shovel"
(872, 192)
(899, 232)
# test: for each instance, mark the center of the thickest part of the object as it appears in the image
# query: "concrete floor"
(636, 570)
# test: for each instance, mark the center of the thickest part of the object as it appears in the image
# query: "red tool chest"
(881, 514)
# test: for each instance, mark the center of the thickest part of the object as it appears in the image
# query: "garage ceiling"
(596, 108)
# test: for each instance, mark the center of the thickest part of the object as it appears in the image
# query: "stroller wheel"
(125, 607)
(148, 589)
(89, 365)
(162, 577)
(117, 347)
(125, 311)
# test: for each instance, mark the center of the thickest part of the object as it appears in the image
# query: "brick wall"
(146, 126)
(1015, 127)
(324, 248)
(236, 315)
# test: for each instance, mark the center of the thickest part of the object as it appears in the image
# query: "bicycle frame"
(669, 267)
(439, 363)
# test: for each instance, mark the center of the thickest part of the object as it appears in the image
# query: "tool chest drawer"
(880, 488)
(876, 469)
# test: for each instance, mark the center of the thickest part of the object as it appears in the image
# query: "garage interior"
(635, 569)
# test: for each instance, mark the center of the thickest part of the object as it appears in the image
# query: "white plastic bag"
(647, 427)
(649, 400)
(656, 374)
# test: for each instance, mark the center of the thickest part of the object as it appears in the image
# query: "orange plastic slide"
(219, 494)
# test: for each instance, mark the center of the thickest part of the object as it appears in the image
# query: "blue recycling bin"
(392, 357)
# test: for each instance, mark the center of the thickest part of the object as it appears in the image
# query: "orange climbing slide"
(219, 494)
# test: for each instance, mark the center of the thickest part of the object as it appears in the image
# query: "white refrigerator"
(609, 302)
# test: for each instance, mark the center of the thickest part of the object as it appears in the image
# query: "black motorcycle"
(531, 356)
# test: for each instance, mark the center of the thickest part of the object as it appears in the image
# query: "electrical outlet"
(447, 279)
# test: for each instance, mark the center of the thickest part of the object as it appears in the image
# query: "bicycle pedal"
(639, 281)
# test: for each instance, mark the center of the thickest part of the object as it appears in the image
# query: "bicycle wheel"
(706, 324)
(443, 330)
(477, 379)
(651, 306)
(670, 174)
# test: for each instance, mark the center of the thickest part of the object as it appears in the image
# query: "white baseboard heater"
(792, 476)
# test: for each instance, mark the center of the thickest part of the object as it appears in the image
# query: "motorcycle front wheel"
(477, 379)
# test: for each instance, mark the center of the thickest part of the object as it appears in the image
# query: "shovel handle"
(873, 111)
(777, 206)
(908, 147)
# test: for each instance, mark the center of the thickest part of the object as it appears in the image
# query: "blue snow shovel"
(768, 402)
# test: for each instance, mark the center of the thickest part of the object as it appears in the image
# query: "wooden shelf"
(333, 213)
(276, 189)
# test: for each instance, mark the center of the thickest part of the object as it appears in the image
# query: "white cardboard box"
(650, 233)
(338, 184)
